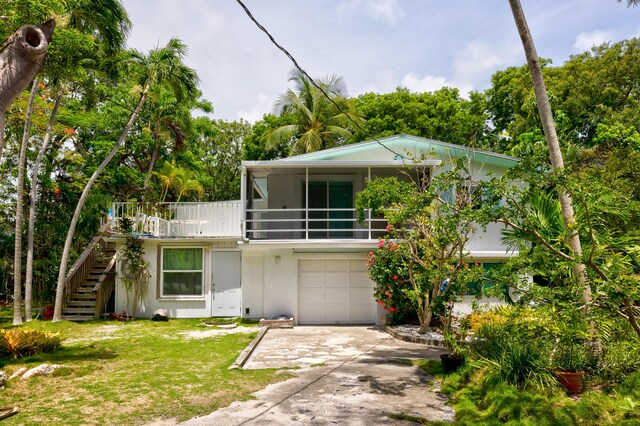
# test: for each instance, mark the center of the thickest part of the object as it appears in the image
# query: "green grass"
(481, 398)
(131, 373)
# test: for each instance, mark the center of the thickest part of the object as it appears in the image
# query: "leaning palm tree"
(321, 119)
(161, 66)
(107, 21)
(549, 128)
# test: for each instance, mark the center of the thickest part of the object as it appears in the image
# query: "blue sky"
(376, 45)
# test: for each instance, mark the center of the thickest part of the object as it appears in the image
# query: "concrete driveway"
(349, 376)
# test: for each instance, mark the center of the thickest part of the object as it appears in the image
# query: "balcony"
(311, 224)
(219, 219)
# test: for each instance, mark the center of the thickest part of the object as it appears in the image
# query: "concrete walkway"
(349, 376)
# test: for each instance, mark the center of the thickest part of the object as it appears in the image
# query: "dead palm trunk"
(549, 128)
(64, 261)
(21, 57)
(17, 255)
(28, 282)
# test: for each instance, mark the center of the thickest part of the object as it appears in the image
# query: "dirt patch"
(203, 334)
(104, 332)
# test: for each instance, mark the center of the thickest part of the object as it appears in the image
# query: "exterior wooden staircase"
(90, 282)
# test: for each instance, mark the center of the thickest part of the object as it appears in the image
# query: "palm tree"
(319, 122)
(17, 255)
(549, 128)
(108, 22)
(631, 3)
(161, 66)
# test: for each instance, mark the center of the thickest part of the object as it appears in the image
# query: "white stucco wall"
(270, 280)
(192, 307)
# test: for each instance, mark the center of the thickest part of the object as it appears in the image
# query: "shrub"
(516, 342)
(18, 342)
(619, 359)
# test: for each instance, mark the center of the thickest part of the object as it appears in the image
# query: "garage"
(335, 291)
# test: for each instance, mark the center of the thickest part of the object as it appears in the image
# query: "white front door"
(335, 291)
(225, 283)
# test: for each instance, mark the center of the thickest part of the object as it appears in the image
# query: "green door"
(330, 195)
(340, 197)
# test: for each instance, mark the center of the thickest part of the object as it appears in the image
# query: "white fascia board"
(275, 164)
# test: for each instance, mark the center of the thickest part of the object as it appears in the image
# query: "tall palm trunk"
(154, 157)
(549, 128)
(17, 255)
(28, 282)
(1, 133)
(64, 261)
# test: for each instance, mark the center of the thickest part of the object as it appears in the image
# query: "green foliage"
(619, 360)
(422, 259)
(440, 115)
(480, 397)
(134, 271)
(20, 342)
(322, 118)
(517, 342)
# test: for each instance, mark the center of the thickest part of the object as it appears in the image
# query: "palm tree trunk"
(64, 261)
(21, 57)
(154, 158)
(1, 134)
(17, 255)
(549, 128)
(28, 282)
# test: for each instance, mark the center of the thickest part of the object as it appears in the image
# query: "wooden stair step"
(78, 318)
(77, 303)
(83, 296)
(79, 310)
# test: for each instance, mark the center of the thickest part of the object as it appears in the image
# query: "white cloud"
(585, 41)
(264, 104)
(388, 11)
(431, 83)
(478, 59)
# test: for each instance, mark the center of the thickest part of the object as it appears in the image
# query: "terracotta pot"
(451, 363)
(572, 381)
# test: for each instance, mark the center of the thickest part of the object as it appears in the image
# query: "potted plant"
(454, 341)
(570, 360)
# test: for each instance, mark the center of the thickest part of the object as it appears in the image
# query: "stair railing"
(82, 266)
(103, 288)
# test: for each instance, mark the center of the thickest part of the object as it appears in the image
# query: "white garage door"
(334, 292)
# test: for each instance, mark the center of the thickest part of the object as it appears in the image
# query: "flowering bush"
(387, 269)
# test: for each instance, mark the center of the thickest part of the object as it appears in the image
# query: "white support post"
(306, 202)
(368, 181)
(243, 201)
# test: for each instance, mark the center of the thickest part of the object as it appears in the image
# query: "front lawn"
(131, 373)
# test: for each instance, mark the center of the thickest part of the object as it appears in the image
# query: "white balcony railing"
(219, 219)
(308, 224)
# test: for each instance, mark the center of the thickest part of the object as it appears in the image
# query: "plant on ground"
(134, 271)
(517, 342)
(20, 342)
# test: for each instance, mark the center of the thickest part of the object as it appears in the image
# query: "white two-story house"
(292, 245)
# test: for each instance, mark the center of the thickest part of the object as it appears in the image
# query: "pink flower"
(393, 310)
(380, 243)
(389, 227)
(395, 277)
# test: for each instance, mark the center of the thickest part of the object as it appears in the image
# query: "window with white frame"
(182, 272)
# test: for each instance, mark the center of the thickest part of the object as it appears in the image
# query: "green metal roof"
(404, 146)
